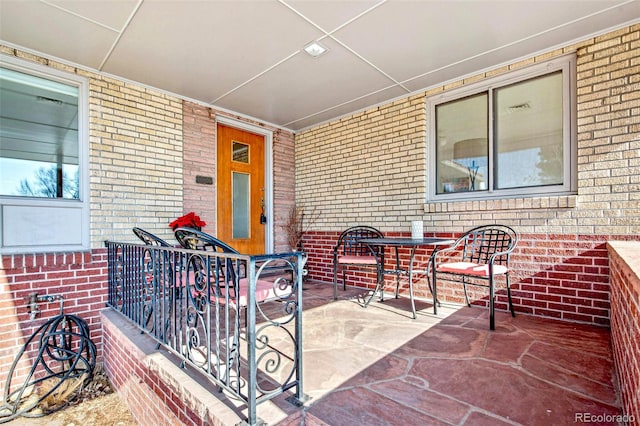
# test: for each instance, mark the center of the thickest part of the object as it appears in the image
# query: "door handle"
(263, 218)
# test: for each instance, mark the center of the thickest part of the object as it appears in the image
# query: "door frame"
(268, 172)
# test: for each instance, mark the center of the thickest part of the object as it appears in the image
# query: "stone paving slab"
(377, 366)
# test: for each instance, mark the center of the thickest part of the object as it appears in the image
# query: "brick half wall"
(563, 276)
(625, 322)
(159, 392)
(79, 277)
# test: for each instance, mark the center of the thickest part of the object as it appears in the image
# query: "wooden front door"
(240, 178)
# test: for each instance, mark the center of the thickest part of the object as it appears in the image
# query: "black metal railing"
(235, 318)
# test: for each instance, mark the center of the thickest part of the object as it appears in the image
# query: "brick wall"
(79, 277)
(367, 168)
(284, 185)
(625, 322)
(199, 159)
(159, 392)
(134, 374)
(555, 275)
(371, 167)
(135, 163)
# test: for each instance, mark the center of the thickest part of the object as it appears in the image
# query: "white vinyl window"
(43, 159)
(512, 135)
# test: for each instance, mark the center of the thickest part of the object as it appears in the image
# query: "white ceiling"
(247, 57)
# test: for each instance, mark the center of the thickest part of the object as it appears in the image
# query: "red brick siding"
(81, 278)
(625, 327)
(283, 185)
(199, 159)
(146, 395)
(562, 276)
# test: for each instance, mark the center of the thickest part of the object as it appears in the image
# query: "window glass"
(241, 196)
(240, 152)
(511, 135)
(462, 145)
(528, 133)
(39, 148)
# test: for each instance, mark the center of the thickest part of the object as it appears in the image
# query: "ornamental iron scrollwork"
(199, 305)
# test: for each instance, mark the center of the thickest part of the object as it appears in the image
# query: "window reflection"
(525, 148)
(529, 151)
(38, 137)
(240, 152)
(462, 148)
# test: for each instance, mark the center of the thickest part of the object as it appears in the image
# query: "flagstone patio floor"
(377, 366)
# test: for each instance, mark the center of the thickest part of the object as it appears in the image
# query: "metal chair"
(350, 252)
(228, 275)
(194, 239)
(149, 239)
(481, 253)
(165, 277)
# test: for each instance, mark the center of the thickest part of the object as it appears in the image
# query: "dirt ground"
(97, 405)
(107, 410)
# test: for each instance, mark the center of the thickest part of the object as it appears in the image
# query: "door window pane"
(39, 147)
(528, 133)
(240, 152)
(462, 148)
(240, 208)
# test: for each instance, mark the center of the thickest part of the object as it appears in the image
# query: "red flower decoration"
(189, 220)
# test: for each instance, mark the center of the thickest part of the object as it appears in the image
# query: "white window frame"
(35, 225)
(566, 64)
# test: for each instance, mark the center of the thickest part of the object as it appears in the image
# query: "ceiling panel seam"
(339, 27)
(349, 49)
(120, 34)
(346, 103)
(77, 15)
(255, 77)
(513, 43)
(366, 61)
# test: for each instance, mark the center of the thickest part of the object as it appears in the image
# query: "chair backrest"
(223, 269)
(149, 239)
(349, 241)
(483, 242)
(193, 239)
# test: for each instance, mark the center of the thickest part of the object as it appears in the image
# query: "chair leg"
(464, 287)
(344, 279)
(380, 283)
(513, 312)
(335, 280)
(397, 285)
(492, 324)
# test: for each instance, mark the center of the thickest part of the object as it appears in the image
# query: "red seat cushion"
(470, 268)
(264, 291)
(357, 260)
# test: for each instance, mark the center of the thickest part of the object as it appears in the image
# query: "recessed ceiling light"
(315, 49)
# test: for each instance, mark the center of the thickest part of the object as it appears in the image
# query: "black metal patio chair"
(349, 252)
(227, 275)
(149, 239)
(165, 277)
(481, 253)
